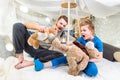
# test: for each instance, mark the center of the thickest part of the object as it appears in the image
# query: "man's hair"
(63, 17)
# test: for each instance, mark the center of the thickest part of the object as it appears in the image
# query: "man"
(21, 35)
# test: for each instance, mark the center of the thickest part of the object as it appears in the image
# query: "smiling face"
(61, 24)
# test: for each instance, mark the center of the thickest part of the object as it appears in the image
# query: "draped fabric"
(100, 8)
(7, 16)
(106, 12)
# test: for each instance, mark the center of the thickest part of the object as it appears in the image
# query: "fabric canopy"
(100, 8)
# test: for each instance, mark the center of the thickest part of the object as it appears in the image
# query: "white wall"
(7, 16)
(108, 29)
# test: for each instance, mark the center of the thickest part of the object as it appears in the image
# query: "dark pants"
(20, 37)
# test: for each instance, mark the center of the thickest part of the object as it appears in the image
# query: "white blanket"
(107, 71)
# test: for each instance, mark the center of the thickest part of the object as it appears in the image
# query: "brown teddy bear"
(77, 59)
(35, 38)
(77, 54)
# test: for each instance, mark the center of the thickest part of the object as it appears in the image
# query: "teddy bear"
(77, 59)
(35, 39)
(77, 54)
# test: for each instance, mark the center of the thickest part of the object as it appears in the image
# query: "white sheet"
(107, 71)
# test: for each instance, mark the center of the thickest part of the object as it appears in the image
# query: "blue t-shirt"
(97, 43)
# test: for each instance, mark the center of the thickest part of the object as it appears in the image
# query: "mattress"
(107, 71)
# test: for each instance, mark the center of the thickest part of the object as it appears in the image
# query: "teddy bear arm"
(94, 53)
(72, 62)
(32, 38)
(83, 63)
(34, 35)
(72, 66)
(36, 44)
(61, 47)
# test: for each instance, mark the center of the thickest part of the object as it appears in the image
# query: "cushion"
(117, 56)
(4, 51)
(109, 50)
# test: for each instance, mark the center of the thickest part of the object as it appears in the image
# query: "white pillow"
(4, 50)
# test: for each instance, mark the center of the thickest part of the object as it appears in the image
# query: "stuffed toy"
(77, 59)
(89, 49)
(77, 54)
(92, 51)
(35, 39)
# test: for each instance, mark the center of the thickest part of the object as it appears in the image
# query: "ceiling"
(52, 8)
(44, 7)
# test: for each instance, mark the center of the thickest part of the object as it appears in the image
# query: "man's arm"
(34, 26)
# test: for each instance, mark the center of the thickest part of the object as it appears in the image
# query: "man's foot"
(25, 63)
(19, 66)
(38, 65)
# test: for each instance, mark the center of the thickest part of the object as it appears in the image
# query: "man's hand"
(41, 29)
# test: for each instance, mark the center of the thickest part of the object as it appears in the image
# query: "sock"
(38, 65)
(57, 61)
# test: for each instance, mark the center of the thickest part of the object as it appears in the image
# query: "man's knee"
(17, 25)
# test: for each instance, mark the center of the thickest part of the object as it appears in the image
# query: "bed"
(108, 70)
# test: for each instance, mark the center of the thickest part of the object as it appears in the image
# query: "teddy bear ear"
(116, 56)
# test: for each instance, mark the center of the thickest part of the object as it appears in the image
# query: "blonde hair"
(87, 21)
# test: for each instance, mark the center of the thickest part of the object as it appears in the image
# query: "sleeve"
(79, 39)
(99, 46)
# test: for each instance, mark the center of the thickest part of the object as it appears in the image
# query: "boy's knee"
(91, 70)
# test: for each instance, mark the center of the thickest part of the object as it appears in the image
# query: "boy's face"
(61, 24)
(86, 33)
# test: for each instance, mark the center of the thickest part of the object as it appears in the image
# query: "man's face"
(61, 24)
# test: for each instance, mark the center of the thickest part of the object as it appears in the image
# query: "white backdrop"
(107, 28)
(7, 16)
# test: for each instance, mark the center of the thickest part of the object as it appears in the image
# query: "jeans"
(20, 37)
